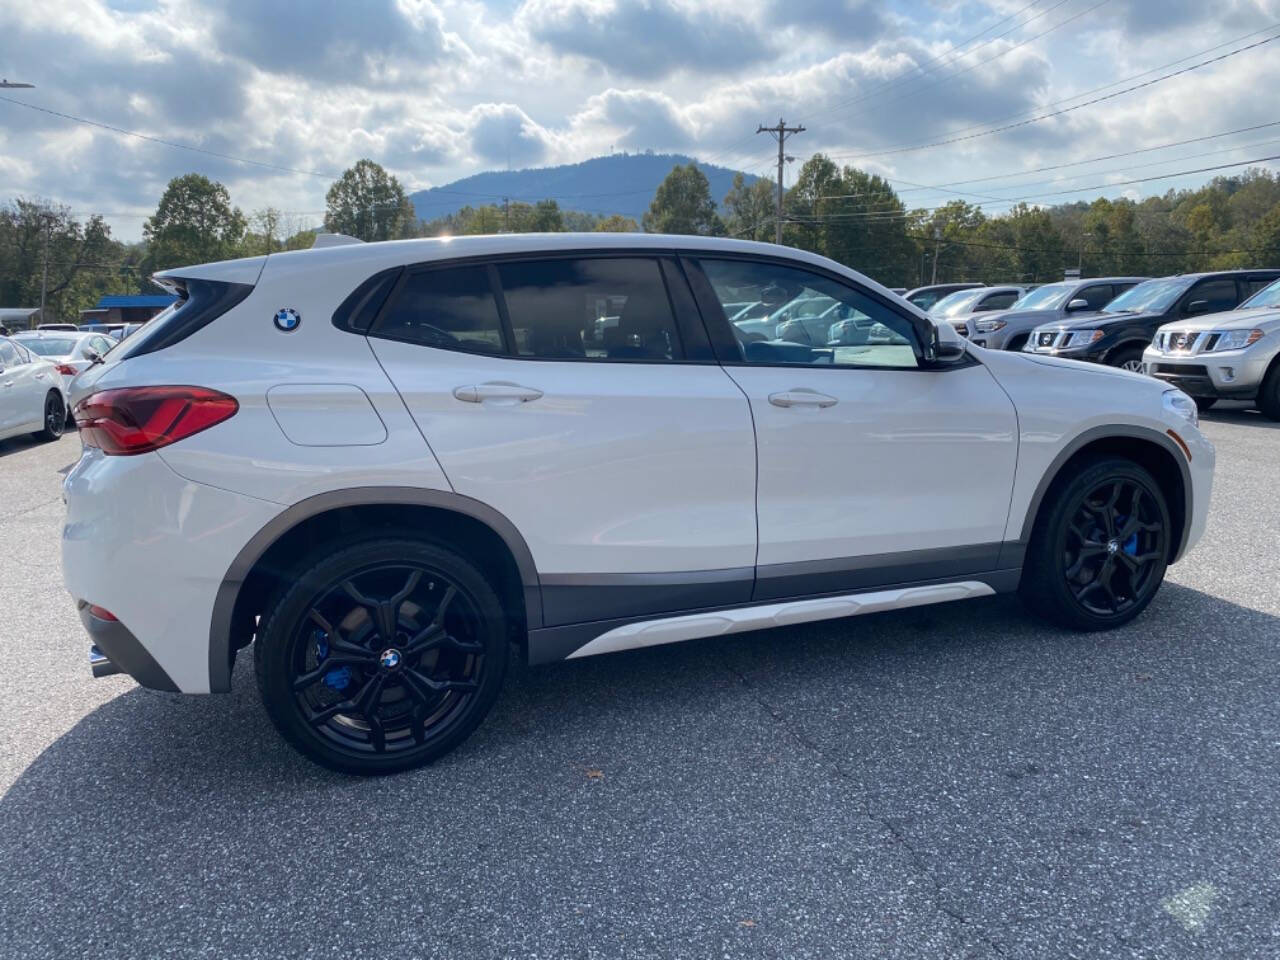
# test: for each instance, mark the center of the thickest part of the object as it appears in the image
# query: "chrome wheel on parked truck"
(383, 656)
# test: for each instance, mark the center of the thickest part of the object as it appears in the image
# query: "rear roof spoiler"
(333, 240)
(244, 271)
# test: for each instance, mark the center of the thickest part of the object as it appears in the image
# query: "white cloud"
(439, 89)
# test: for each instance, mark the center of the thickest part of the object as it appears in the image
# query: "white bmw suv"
(385, 465)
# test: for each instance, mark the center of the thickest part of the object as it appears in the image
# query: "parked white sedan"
(32, 397)
(71, 353)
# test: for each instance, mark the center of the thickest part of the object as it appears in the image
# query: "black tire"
(1269, 393)
(1127, 358)
(416, 708)
(55, 417)
(1205, 403)
(1074, 542)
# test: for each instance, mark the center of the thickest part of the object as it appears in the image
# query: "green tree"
(546, 218)
(683, 204)
(83, 260)
(368, 203)
(751, 209)
(851, 216)
(617, 223)
(1266, 238)
(193, 223)
(264, 236)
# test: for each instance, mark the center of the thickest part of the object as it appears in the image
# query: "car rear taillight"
(131, 420)
(66, 369)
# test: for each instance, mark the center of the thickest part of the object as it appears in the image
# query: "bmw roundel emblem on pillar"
(288, 320)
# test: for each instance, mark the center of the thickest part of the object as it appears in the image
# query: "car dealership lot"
(950, 781)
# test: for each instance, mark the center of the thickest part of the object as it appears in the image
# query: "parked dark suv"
(1119, 334)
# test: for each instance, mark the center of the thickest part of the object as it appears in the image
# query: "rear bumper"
(152, 548)
(123, 651)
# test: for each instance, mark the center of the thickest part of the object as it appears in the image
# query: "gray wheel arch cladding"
(1111, 432)
(229, 590)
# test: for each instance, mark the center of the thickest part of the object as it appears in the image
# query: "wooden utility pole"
(780, 133)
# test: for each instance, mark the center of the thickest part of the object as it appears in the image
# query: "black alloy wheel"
(55, 417)
(383, 656)
(1100, 546)
(1115, 547)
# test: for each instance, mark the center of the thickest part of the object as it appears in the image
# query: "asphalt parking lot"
(957, 781)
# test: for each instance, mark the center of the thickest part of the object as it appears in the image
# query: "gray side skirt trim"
(780, 581)
(225, 600)
(576, 598)
(557, 643)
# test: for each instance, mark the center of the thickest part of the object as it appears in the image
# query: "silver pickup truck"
(1231, 355)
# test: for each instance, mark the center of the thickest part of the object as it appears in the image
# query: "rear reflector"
(132, 420)
(102, 613)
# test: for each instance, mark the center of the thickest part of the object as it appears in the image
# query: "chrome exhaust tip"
(100, 664)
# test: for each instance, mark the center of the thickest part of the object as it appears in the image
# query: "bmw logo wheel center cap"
(390, 658)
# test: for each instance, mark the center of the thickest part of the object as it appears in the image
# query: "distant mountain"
(621, 183)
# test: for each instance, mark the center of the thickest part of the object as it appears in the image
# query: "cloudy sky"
(440, 89)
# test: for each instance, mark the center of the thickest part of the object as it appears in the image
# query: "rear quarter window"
(452, 308)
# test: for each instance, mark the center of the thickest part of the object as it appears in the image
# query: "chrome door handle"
(500, 392)
(802, 397)
(8, 383)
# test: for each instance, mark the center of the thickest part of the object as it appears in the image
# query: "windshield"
(1266, 297)
(956, 303)
(1150, 296)
(48, 346)
(1049, 297)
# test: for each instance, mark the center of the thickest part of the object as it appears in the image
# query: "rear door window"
(1252, 285)
(1218, 295)
(590, 308)
(997, 301)
(1097, 296)
(453, 308)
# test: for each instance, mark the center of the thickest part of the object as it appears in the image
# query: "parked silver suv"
(1070, 299)
(1232, 355)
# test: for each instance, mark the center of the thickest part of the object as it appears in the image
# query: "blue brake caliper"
(1130, 546)
(338, 679)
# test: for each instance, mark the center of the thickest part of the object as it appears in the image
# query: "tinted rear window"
(608, 308)
(454, 309)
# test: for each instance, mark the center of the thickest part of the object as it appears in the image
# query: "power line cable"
(991, 59)
(1056, 113)
(1109, 156)
(168, 143)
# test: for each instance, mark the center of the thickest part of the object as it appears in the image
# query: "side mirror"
(1198, 306)
(1077, 304)
(92, 355)
(947, 348)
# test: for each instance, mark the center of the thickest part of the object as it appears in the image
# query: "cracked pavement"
(946, 782)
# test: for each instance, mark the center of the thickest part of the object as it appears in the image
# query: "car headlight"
(1175, 401)
(1082, 338)
(1238, 339)
(990, 326)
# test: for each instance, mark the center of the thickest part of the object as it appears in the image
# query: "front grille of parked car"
(1184, 369)
(1181, 341)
